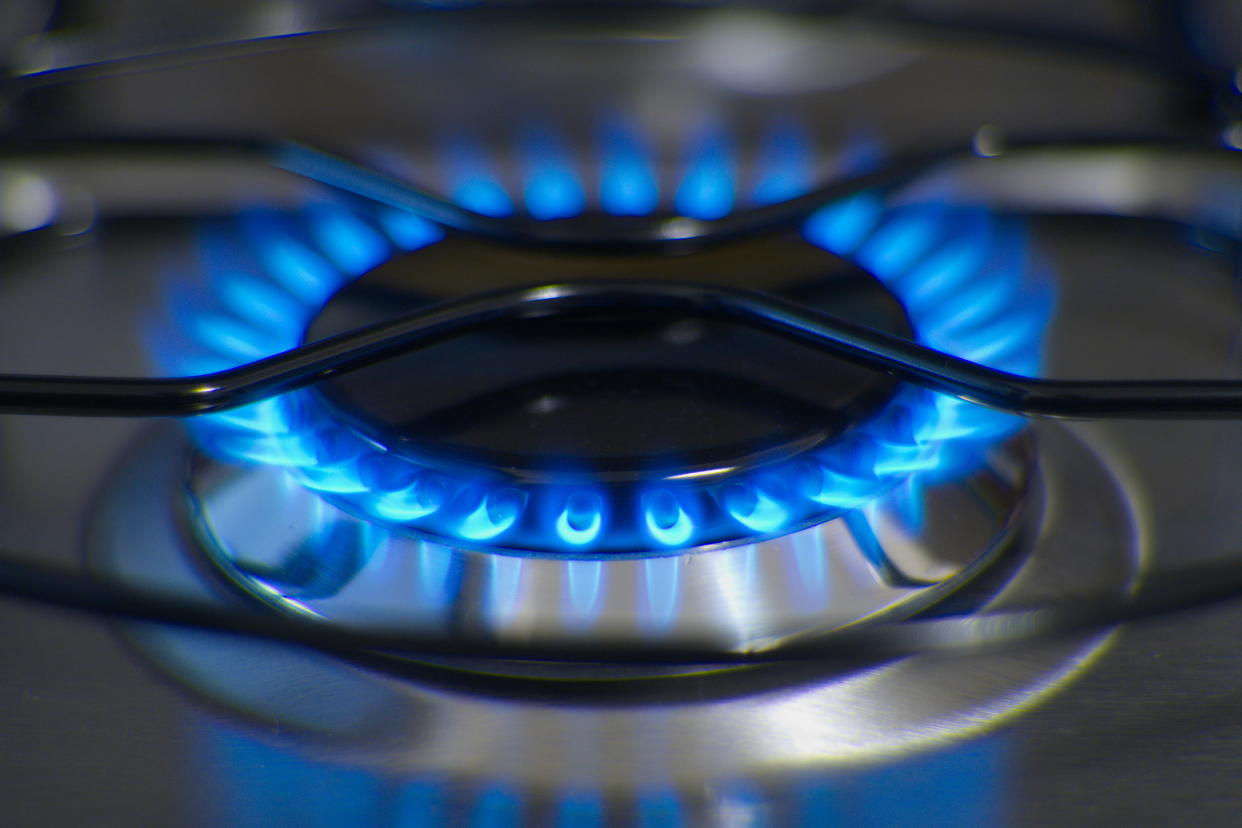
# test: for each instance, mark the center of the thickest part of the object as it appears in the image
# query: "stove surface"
(120, 722)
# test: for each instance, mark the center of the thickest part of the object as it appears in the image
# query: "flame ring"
(959, 271)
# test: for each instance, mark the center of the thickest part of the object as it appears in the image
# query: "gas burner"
(619, 432)
(626, 430)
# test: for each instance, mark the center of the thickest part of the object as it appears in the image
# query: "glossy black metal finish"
(1087, 399)
(624, 390)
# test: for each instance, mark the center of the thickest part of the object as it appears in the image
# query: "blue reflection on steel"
(957, 785)
(267, 786)
(421, 804)
(322, 564)
(253, 783)
(582, 590)
(580, 810)
(707, 187)
(552, 187)
(659, 809)
(961, 272)
(435, 570)
(659, 593)
(627, 184)
(497, 808)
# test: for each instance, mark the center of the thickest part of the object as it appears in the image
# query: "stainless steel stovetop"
(121, 722)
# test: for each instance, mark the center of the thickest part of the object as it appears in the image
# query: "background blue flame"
(961, 272)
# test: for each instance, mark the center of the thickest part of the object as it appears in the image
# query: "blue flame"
(408, 231)
(707, 188)
(580, 521)
(666, 519)
(496, 512)
(754, 508)
(962, 274)
(552, 188)
(473, 184)
(352, 244)
(627, 185)
(784, 167)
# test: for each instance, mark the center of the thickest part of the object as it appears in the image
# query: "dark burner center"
(614, 393)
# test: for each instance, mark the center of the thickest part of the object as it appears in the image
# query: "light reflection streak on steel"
(909, 501)
(659, 593)
(504, 588)
(735, 572)
(408, 231)
(739, 804)
(434, 567)
(810, 570)
(583, 595)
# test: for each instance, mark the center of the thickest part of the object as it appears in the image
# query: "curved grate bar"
(961, 273)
